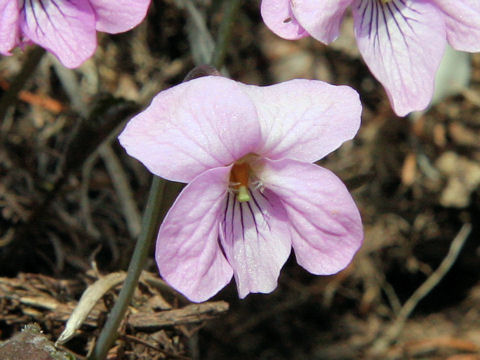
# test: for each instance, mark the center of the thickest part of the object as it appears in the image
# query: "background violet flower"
(402, 41)
(253, 192)
(66, 28)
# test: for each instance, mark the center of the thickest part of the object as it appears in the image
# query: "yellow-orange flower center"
(239, 179)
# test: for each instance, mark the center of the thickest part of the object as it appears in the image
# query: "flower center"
(239, 177)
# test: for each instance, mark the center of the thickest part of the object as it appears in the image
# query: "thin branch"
(201, 41)
(396, 327)
(230, 10)
(123, 190)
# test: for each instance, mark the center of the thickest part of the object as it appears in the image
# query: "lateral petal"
(256, 240)
(463, 23)
(305, 119)
(9, 30)
(65, 28)
(278, 16)
(188, 253)
(402, 43)
(119, 15)
(198, 125)
(325, 224)
(321, 19)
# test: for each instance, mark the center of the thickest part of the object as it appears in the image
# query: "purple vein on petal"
(240, 211)
(253, 216)
(225, 214)
(32, 8)
(48, 16)
(255, 201)
(378, 14)
(229, 216)
(241, 220)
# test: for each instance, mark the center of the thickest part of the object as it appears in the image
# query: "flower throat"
(239, 177)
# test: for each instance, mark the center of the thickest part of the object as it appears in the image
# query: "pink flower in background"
(402, 41)
(246, 153)
(66, 28)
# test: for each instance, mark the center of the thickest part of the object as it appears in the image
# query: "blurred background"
(71, 202)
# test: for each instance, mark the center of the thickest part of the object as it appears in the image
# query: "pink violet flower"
(246, 153)
(66, 28)
(402, 41)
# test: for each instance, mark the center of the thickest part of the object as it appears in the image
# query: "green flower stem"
(28, 67)
(150, 225)
(230, 10)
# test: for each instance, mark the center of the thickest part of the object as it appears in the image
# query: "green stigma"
(243, 195)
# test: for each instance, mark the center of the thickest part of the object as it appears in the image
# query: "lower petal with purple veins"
(402, 42)
(65, 28)
(255, 237)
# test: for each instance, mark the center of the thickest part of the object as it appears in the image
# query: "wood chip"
(187, 315)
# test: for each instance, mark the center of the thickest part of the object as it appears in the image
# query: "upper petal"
(198, 125)
(8, 25)
(278, 16)
(256, 240)
(321, 19)
(325, 224)
(402, 43)
(188, 254)
(463, 23)
(65, 28)
(119, 15)
(305, 119)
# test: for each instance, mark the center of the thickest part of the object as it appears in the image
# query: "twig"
(230, 10)
(189, 314)
(391, 296)
(396, 327)
(201, 41)
(123, 190)
(204, 49)
(46, 102)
